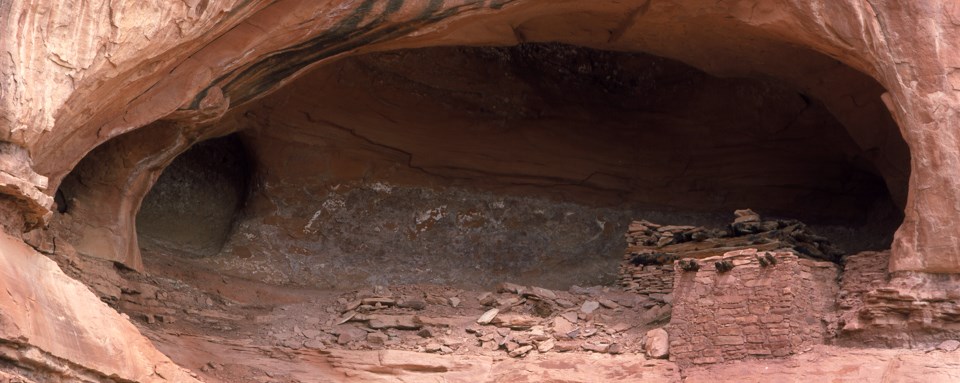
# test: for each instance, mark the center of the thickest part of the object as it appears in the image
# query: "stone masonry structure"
(751, 310)
(652, 281)
(648, 261)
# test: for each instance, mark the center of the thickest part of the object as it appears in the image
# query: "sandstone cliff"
(841, 111)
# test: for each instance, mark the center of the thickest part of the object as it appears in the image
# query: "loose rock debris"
(513, 319)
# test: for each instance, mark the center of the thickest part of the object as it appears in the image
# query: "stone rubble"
(517, 320)
(511, 320)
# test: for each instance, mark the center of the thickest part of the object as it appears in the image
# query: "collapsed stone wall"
(652, 281)
(648, 262)
(752, 310)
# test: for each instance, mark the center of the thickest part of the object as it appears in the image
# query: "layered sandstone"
(848, 107)
(54, 329)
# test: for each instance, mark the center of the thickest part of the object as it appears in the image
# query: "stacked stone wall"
(752, 310)
(652, 281)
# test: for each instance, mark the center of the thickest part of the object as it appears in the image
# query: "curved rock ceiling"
(206, 58)
(576, 141)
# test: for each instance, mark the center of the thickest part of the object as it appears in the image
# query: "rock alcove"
(218, 167)
(473, 165)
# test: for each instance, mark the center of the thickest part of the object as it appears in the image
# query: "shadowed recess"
(194, 203)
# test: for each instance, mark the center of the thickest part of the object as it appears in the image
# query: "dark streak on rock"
(244, 84)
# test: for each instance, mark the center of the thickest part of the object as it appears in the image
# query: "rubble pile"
(510, 320)
(513, 320)
(648, 262)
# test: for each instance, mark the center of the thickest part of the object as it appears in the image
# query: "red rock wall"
(904, 309)
(55, 329)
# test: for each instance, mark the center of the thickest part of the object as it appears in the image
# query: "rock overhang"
(250, 49)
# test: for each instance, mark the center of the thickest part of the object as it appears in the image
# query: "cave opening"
(196, 201)
(474, 165)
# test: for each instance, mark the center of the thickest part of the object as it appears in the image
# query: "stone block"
(706, 360)
(758, 309)
(779, 332)
(731, 299)
(759, 351)
(771, 318)
(714, 352)
(730, 331)
(781, 352)
(781, 310)
(727, 320)
(764, 282)
(728, 339)
(657, 345)
(732, 312)
(681, 349)
(747, 320)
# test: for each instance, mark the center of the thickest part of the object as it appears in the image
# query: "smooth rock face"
(57, 327)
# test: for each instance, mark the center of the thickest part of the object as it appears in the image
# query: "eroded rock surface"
(862, 123)
(55, 329)
(840, 365)
(902, 309)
